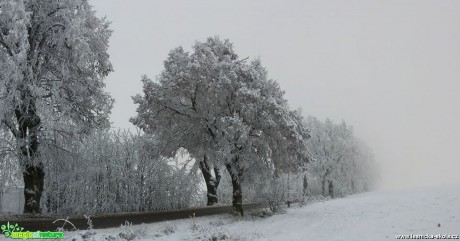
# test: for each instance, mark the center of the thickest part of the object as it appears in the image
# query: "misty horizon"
(388, 68)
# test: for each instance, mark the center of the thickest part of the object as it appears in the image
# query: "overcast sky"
(389, 68)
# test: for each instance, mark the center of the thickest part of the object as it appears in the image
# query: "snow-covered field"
(378, 215)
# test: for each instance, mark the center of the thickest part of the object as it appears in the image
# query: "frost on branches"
(214, 104)
(53, 57)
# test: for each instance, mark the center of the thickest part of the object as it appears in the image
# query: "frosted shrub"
(122, 173)
(273, 195)
(218, 236)
(275, 192)
(169, 229)
(130, 232)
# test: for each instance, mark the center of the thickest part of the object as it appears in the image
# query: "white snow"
(369, 216)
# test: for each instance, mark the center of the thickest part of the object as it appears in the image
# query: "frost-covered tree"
(342, 162)
(330, 145)
(213, 104)
(53, 57)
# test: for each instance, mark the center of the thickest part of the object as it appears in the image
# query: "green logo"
(17, 232)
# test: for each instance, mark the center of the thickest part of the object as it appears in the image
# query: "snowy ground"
(368, 216)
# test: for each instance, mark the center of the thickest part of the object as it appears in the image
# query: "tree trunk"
(212, 183)
(305, 185)
(323, 186)
(34, 177)
(331, 189)
(34, 174)
(323, 182)
(237, 201)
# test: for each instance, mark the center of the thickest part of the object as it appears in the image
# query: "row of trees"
(122, 173)
(341, 165)
(222, 110)
(114, 171)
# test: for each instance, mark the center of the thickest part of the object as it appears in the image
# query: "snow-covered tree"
(53, 57)
(342, 162)
(213, 104)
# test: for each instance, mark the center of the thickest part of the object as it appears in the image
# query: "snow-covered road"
(378, 215)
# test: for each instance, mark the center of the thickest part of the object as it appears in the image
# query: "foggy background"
(389, 68)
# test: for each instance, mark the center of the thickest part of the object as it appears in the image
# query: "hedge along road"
(51, 223)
